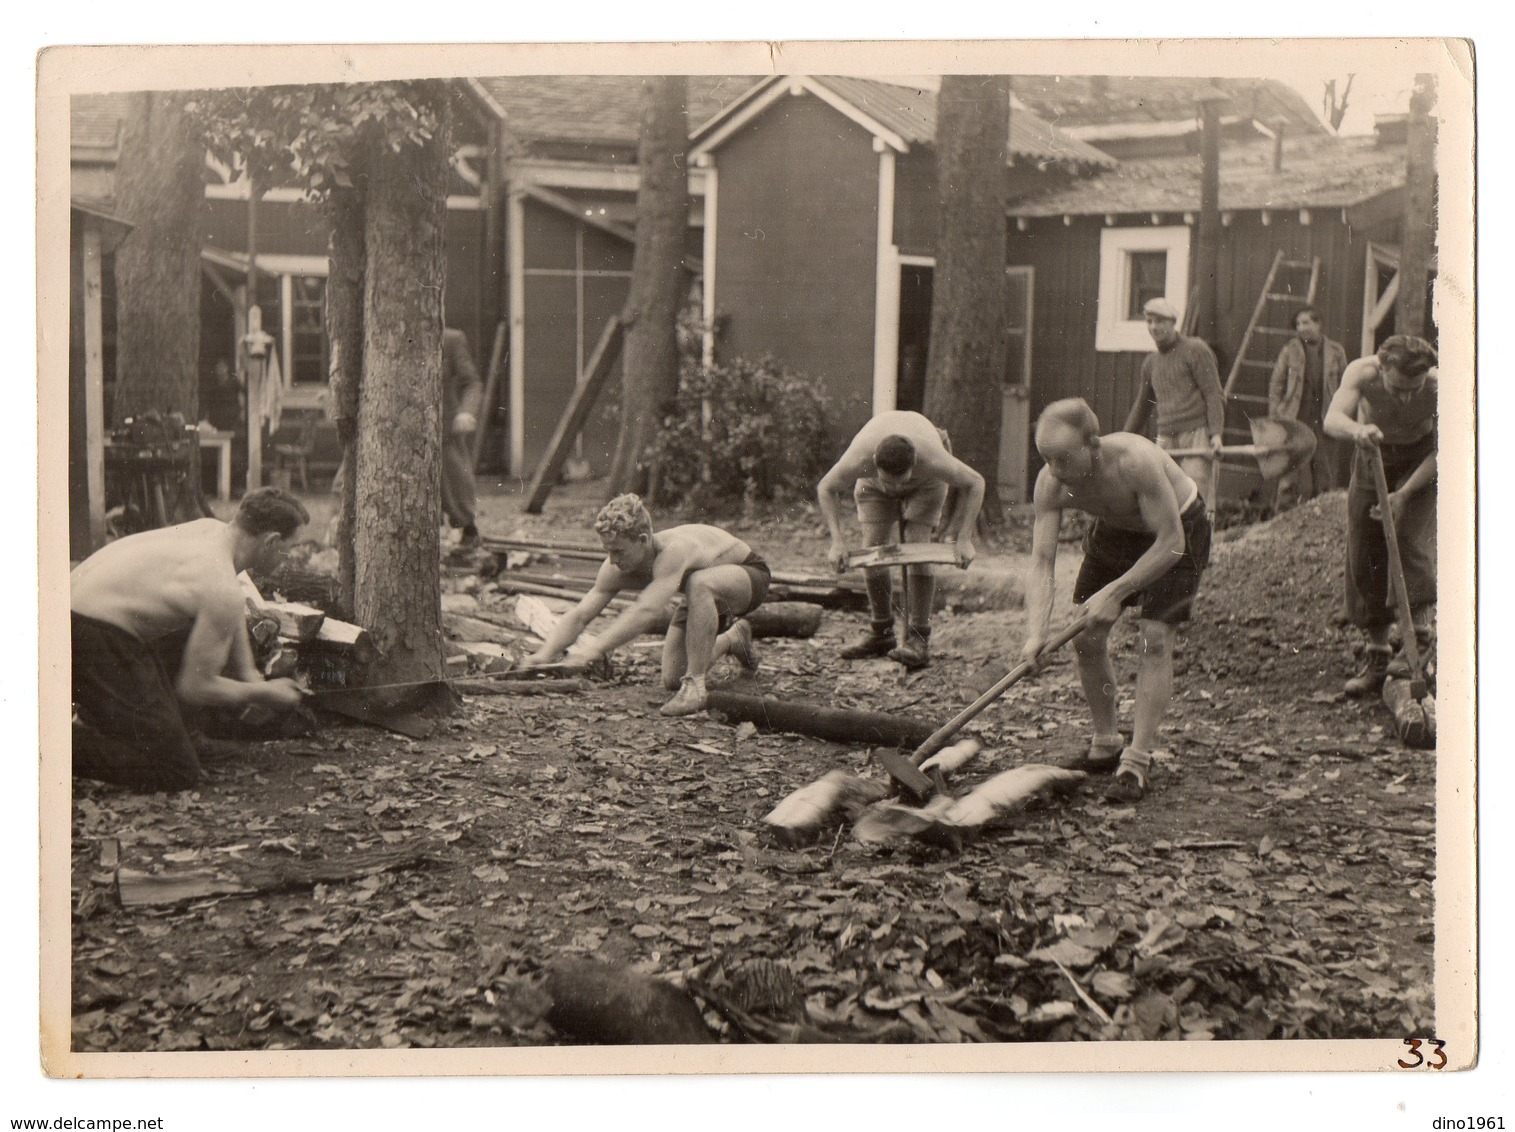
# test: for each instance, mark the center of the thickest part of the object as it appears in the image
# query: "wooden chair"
(292, 445)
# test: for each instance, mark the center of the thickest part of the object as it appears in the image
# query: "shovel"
(1397, 576)
(1278, 446)
(905, 769)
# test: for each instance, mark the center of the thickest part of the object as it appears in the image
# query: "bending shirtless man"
(899, 471)
(720, 576)
(145, 587)
(1149, 544)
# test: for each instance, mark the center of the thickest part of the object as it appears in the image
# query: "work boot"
(470, 538)
(1102, 757)
(739, 645)
(1371, 671)
(1399, 667)
(690, 698)
(878, 641)
(1130, 781)
(916, 651)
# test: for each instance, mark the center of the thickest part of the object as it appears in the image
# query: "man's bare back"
(157, 582)
(1106, 493)
(933, 463)
(694, 546)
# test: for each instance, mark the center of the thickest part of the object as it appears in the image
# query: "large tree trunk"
(160, 189)
(1419, 241)
(344, 329)
(651, 369)
(398, 469)
(966, 364)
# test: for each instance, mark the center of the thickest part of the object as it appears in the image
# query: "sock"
(1135, 762)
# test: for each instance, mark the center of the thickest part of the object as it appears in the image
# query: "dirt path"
(1275, 883)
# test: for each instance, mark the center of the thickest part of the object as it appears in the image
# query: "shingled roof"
(909, 114)
(598, 110)
(96, 123)
(1318, 172)
(1091, 101)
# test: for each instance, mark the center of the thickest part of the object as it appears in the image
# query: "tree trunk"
(344, 328)
(651, 369)
(160, 189)
(397, 577)
(1419, 239)
(966, 363)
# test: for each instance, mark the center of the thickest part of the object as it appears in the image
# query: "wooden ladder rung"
(1249, 398)
(1285, 296)
(1302, 264)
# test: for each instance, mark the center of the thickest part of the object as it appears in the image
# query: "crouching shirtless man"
(130, 595)
(1149, 544)
(720, 577)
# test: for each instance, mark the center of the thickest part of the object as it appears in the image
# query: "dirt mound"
(1270, 606)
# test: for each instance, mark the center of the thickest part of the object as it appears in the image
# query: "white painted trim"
(515, 273)
(1375, 307)
(570, 273)
(275, 264)
(482, 92)
(459, 203)
(886, 293)
(1113, 331)
(915, 260)
(287, 329)
(94, 386)
(1030, 272)
(793, 85)
(620, 178)
(708, 252)
(237, 190)
(571, 208)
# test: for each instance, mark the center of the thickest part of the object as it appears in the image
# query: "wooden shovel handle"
(1396, 564)
(938, 738)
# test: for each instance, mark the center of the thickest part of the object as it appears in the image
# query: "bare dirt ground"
(1275, 883)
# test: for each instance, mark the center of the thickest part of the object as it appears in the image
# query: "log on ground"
(836, 725)
(606, 1005)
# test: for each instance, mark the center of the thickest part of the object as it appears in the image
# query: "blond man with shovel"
(1148, 547)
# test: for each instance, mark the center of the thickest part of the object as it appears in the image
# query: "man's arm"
(243, 665)
(970, 499)
(1278, 382)
(642, 614)
(607, 584)
(470, 389)
(1341, 417)
(1039, 590)
(1141, 408)
(1207, 381)
(843, 476)
(212, 640)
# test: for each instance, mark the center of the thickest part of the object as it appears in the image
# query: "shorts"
(922, 504)
(133, 731)
(1109, 552)
(758, 574)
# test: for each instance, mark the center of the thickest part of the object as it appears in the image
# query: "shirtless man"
(132, 593)
(1388, 401)
(1149, 544)
(720, 576)
(898, 468)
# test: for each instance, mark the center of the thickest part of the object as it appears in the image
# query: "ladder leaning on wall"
(1286, 289)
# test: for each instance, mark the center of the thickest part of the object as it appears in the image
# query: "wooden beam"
(491, 390)
(606, 351)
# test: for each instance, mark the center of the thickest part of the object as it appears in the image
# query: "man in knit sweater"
(1182, 381)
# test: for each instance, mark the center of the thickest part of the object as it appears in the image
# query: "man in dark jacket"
(461, 394)
(1304, 380)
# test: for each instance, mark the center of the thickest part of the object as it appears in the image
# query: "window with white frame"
(1137, 264)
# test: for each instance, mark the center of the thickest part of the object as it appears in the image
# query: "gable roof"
(1318, 172)
(596, 110)
(900, 116)
(95, 124)
(1092, 104)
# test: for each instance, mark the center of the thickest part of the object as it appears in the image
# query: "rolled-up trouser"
(1369, 595)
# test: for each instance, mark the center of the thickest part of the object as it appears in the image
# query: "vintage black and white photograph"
(565, 561)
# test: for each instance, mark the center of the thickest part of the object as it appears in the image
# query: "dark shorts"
(133, 732)
(760, 577)
(1109, 552)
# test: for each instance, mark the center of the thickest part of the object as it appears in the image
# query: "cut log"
(837, 725)
(827, 596)
(796, 619)
(486, 656)
(297, 621)
(535, 615)
(1411, 723)
(343, 639)
(606, 1005)
(464, 628)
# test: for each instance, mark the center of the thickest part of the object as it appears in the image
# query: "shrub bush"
(741, 434)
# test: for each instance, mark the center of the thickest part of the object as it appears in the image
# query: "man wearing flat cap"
(1387, 401)
(1182, 381)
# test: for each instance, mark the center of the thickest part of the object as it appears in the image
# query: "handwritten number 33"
(1414, 1044)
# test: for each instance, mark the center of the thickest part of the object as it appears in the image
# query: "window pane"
(309, 345)
(1149, 280)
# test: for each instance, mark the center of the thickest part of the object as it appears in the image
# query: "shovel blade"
(899, 767)
(1282, 446)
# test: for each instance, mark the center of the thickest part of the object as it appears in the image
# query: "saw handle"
(939, 738)
(1396, 571)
